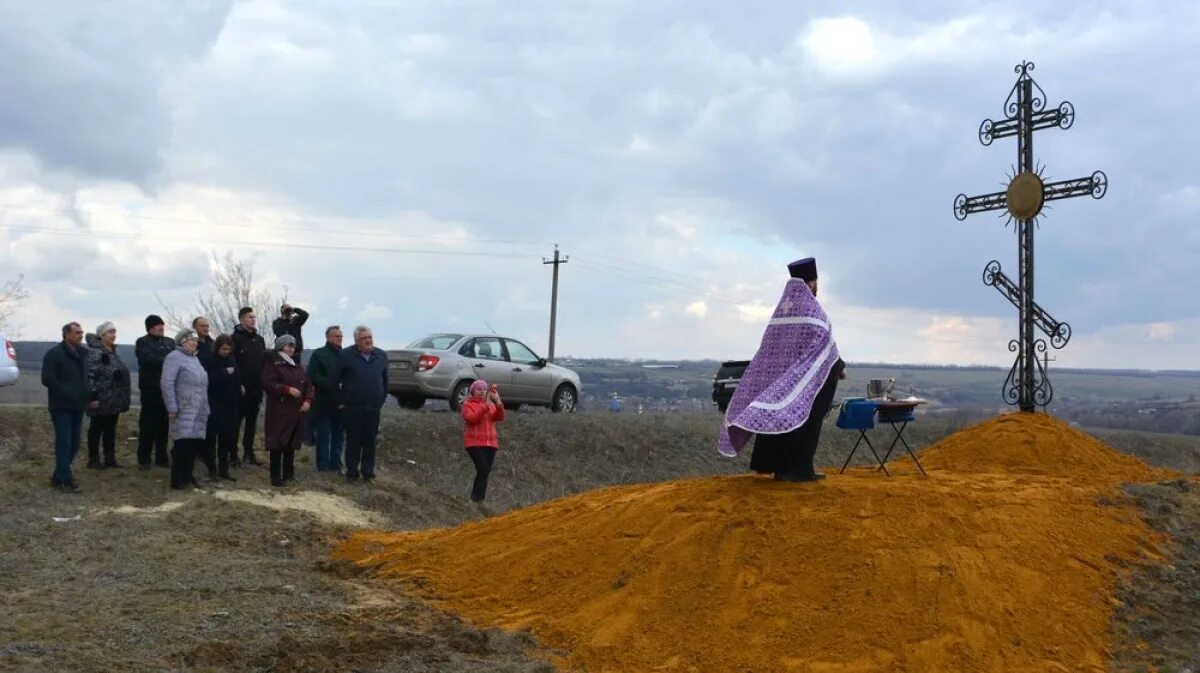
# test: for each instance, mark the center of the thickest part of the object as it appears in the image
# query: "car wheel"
(564, 399)
(459, 397)
(512, 406)
(414, 403)
(722, 406)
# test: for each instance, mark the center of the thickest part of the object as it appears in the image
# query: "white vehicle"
(8, 363)
(442, 367)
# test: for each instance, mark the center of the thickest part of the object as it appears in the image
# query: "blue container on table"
(857, 413)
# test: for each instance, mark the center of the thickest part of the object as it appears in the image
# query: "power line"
(658, 281)
(666, 272)
(272, 244)
(610, 272)
(339, 231)
(588, 265)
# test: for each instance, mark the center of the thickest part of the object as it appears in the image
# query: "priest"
(788, 388)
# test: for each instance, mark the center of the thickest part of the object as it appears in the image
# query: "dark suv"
(726, 381)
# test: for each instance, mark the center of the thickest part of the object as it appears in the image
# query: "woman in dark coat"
(289, 396)
(110, 390)
(224, 387)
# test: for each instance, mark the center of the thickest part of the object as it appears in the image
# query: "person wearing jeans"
(361, 379)
(326, 416)
(64, 373)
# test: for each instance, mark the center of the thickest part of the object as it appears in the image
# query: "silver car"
(442, 367)
(8, 363)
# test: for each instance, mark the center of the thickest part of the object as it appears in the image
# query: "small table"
(860, 414)
(898, 414)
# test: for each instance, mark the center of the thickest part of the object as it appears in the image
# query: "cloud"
(698, 309)
(680, 153)
(373, 313)
(840, 45)
(1161, 331)
(86, 98)
(1185, 200)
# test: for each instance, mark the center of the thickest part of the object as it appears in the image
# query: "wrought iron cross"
(1025, 112)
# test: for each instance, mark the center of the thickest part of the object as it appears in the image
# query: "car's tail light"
(12, 352)
(427, 362)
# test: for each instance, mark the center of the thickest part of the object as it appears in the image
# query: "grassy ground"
(210, 581)
(1157, 627)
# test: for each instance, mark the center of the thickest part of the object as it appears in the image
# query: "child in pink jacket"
(482, 411)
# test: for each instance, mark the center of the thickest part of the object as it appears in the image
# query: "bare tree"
(231, 287)
(12, 294)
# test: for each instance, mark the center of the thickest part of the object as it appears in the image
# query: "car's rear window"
(439, 342)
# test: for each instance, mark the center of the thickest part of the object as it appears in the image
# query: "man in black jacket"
(64, 373)
(204, 338)
(153, 425)
(326, 415)
(361, 379)
(249, 349)
(289, 322)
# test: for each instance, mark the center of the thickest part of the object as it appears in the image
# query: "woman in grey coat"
(110, 390)
(185, 393)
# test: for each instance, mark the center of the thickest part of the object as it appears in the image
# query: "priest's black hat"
(804, 268)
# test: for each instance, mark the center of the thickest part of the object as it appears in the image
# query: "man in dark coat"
(249, 350)
(204, 337)
(326, 413)
(153, 425)
(361, 379)
(290, 322)
(64, 373)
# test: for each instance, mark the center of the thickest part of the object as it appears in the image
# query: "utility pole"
(554, 297)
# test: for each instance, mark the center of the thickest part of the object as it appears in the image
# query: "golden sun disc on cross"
(1026, 196)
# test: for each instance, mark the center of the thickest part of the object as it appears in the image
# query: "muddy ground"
(129, 576)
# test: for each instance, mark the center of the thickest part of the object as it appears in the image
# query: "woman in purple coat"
(289, 396)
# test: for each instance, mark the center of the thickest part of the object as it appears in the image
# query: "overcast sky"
(681, 153)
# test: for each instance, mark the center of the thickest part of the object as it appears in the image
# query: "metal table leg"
(900, 438)
(862, 437)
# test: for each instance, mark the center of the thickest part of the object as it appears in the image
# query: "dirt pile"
(1004, 559)
(1035, 444)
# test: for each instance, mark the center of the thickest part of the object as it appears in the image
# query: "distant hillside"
(1148, 401)
(30, 354)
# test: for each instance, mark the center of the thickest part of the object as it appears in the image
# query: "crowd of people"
(200, 395)
(206, 392)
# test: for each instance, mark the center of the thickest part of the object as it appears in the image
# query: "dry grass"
(211, 583)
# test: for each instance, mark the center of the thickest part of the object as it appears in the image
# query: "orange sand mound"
(999, 570)
(1035, 444)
